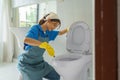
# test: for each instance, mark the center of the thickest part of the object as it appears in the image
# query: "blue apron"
(31, 63)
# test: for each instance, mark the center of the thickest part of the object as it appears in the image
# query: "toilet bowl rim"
(79, 56)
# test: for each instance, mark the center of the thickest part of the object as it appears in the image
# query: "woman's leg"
(53, 75)
(20, 76)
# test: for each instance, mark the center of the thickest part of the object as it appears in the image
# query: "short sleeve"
(53, 35)
(33, 32)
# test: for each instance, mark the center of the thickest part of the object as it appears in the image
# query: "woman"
(31, 63)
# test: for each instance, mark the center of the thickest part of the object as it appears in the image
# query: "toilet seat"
(78, 38)
(71, 58)
(68, 57)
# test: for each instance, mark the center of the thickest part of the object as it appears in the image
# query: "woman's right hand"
(49, 49)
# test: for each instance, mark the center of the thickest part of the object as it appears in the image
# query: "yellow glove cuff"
(49, 49)
(43, 45)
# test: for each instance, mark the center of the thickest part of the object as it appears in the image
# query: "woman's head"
(50, 20)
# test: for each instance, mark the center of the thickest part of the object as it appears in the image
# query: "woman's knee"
(53, 75)
(20, 77)
(57, 77)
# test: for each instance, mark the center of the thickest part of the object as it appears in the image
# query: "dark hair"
(42, 21)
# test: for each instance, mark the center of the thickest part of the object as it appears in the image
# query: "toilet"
(76, 62)
(19, 33)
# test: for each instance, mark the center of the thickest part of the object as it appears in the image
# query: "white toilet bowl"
(19, 33)
(75, 64)
(73, 67)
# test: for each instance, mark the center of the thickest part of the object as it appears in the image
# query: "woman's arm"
(63, 31)
(32, 42)
(43, 45)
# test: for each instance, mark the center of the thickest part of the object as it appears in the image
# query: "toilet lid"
(78, 37)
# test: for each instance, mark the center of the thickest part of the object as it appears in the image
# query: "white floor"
(8, 71)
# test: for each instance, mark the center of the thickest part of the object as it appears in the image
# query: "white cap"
(52, 16)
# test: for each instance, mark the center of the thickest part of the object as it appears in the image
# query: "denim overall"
(32, 65)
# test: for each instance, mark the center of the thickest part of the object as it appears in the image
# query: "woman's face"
(52, 25)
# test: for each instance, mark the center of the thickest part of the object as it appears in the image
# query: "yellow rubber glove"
(49, 49)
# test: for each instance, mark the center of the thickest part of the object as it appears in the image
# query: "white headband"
(52, 16)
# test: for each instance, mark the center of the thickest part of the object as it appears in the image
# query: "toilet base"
(84, 74)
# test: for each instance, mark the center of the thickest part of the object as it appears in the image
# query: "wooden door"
(106, 40)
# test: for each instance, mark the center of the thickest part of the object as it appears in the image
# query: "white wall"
(73, 10)
(46, 7)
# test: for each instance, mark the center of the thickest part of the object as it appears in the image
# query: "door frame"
(106, 62)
